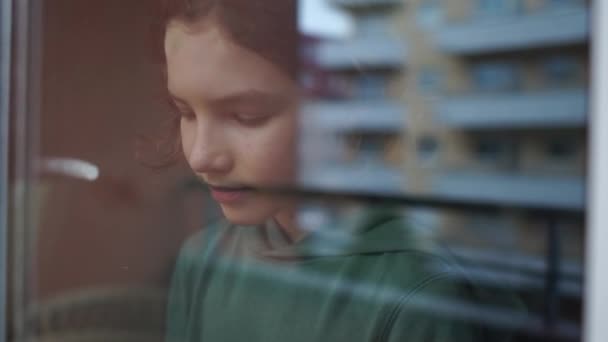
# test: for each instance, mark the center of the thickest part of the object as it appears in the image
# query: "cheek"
(273, 154)
(188, 136)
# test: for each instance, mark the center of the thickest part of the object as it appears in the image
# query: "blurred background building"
(362, 73)
(469, 100)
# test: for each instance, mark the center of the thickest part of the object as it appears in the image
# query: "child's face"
(238, 120)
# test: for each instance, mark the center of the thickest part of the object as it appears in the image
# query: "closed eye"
(182, 109)
(251, 120)
(186, 114)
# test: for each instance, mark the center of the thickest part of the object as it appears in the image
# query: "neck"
(287, 221)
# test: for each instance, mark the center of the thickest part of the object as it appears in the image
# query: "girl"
(230, 67)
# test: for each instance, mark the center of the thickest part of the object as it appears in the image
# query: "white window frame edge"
(26, 49)
(596, 282)
(6, 22)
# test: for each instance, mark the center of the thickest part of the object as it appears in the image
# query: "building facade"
(469, 100)
(472, 100)
(342, 143)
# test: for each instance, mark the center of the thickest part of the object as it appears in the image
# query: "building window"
(307, 80)
(429, 14)
(560, 149)
(427, 148)
(308, 52)
(560, 70)
(499, 7)
(371, 86)
(489, 151)
(372, 146)
(498, 230)
(501, 153)
(430, 80)
(339, 86)
(496, 76)
(368, 147)
(372, 25)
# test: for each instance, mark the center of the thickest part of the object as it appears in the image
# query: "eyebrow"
(247, 96)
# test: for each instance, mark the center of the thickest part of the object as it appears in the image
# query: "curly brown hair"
(266, 27)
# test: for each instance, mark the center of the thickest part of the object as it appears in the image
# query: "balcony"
(372, 52)
(372, 177)
(514, 189)
(377, 116)
(364, 3)
(549, 109)
(554, 27)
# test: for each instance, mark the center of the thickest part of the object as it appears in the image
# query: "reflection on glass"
(420, 178)
(508, 108)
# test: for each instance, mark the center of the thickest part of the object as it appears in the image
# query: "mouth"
(229, 194)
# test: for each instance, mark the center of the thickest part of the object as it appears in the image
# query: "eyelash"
(187, 115)
(183, 113)
(251, 121)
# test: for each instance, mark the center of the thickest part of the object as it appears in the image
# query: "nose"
(208, 153)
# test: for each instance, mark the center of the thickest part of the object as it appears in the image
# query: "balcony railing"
(511, 189)
(372, 177)
(375, 52)
(553, 27)
(378, 116)
(561, 108)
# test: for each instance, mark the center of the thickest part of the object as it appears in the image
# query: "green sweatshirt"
(371, 282)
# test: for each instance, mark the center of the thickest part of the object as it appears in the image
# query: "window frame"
(21, 77)
(596, 303)
(5, 80)
(595, 300)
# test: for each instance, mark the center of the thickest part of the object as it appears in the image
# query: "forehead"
(205, 63)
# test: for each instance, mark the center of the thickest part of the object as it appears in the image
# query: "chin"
(246, 217)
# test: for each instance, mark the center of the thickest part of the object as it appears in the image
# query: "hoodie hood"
(367, 231)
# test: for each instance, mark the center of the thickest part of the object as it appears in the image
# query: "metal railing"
(552, 326)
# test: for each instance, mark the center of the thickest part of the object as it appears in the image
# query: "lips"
(229, 194)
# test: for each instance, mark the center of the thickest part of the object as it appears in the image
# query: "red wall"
(100, 89)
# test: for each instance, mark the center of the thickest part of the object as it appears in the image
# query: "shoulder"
(405, 243)
(200, 246)
(447, 303)
(439, 300)
(191, 263)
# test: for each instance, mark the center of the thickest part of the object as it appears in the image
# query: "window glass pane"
(370, 86)
(496, 76)
(330, 170)
(562, 71)
(371, 24)
(430, 80)
(429, 14)
(427, 148)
